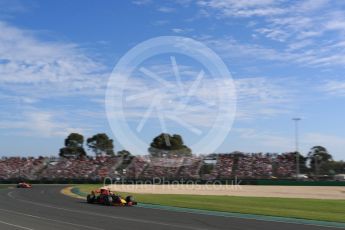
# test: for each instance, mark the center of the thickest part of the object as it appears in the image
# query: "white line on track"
(111, 217)
(14, 225)
(51, 220)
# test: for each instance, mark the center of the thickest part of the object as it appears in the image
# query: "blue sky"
(286, 58)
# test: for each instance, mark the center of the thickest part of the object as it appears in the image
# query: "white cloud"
(259, 97)
(160, 22)
(27, 60)
(39, 123)
(334, 88)
(336, 25)
(300, 44)
(177, 30)
(142, 2)
(32, 71)
(301, 27)
(242, 8)
(302, 52)
(275, 34)
(181, 30)
(311, 5)
(165, 9)
(228, 47)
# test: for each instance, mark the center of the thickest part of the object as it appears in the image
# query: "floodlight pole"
(296, 120)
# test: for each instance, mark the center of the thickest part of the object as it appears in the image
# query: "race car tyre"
(108, 200)
(129, 199)
(90, 199)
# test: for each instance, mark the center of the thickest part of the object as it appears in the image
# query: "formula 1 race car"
(106, 197)
(24, 185)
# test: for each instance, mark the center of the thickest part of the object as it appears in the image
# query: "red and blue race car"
(106, 197)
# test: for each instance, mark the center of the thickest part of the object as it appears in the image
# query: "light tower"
(296, 120)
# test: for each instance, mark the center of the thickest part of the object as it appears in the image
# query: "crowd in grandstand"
(81, 168)
(257, 165)
(285, 165)
(224, 166)
(15, 167)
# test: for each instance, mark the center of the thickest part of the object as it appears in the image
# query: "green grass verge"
(312, 209)
(6, 185)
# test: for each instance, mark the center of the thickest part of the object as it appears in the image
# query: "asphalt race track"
(43, 207)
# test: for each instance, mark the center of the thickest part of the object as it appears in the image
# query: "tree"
(74, 140)
(72, 152)
(73, 146)
(165, 144)
(333, 167)
(124, 153)
(101, 144)
(319, 157)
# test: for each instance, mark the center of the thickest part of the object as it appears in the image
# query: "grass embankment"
(6, 185)
(313, 209)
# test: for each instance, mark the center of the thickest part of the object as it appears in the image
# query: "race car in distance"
(24, 185)
(106, 197)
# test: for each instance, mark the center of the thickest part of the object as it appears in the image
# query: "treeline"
(100, 144)
(320, 162)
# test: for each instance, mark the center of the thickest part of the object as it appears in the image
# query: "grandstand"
(219, 166)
